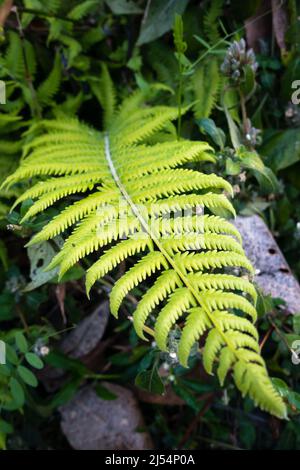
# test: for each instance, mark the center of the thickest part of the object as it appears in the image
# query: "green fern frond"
(206, 83)
(210, 21)
(80, 11)
(132, 194)
(105, 93)
(49, 87)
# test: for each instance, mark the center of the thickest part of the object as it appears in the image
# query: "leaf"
(247, 433)
(234, 132)
(123, 7)
(282, 149)
(27, 376)
(208, 126)
(66, 393)
(40, 256)
(296, 323)
(82, 9)
(6, 427)
(17, 391)
(180, 44)
(150, 381)
(264, 175)
(21, 342)
(34, 360)
(104, 393)
(7, 303)
(248, 84)
(192, 293)
(159, 19)
(232, 167)
(56, 359)
(11, 355)
(3, 255)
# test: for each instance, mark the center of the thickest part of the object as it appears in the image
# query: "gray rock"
(87, 334)
(273, 274)
(91, 423)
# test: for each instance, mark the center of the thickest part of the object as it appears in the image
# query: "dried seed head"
(236, 58)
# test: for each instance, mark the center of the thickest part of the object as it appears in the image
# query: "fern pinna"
(184, 259)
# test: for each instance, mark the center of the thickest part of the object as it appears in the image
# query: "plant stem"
(179, 100)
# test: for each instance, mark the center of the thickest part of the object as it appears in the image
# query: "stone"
(273, 274)
(91, 423)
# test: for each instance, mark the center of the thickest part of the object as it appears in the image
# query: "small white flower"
(44, 351)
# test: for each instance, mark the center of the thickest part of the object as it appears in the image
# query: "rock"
(91, 423)
(273, 273)
(87, 334)
(84, 342)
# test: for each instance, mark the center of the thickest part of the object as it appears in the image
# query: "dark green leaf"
(104, 393)
(207, 126)
(34, 360)
(27, 376)
(150, 380)
(160, 19)
(21, 342)
(17, 391)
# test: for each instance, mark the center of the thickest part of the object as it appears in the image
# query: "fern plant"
(184, 259)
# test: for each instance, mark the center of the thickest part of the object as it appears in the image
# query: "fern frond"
(163, 286)
(138, 273)
(80, 11)
(210, 21)
(14, 59)
(206, 83)
(106, 95)
(130, 184)
(213, 259)
(49, 87)
(179, 302)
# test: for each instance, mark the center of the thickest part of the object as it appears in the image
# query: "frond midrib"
(154, 238)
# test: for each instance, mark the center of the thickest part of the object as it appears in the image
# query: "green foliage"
(206, 86)
(185, 280)
(56, 65)
(15, 376)
(211, 21)
(159, 19)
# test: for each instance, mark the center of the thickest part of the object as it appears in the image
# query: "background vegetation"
(53, 57)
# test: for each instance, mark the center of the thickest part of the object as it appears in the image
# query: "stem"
(244, 111)
(179, 100)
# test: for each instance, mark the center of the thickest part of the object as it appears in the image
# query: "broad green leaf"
(3, 255)
(150, 381)
(27, 376)
(11, 355)
(208, 126)
(21, 342)
(160, 19)
(282, 149)
(104, 393)
(232, 167)
(249, 81)
(17, 392)
(34, 360)
(296, 324)
(5, 427)
(123, 7)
